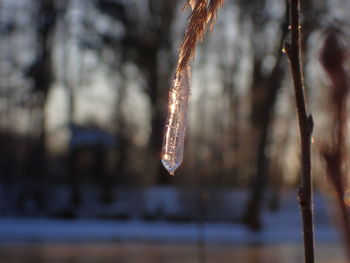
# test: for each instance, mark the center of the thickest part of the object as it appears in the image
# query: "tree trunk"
(263, 103)
(41, 73)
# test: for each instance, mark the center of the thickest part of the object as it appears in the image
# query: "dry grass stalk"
(190, 4)
(214, 6)
(332, 57)
(203, 14)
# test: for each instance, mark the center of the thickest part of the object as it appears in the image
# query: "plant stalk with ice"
(203, 14)
(175, 127)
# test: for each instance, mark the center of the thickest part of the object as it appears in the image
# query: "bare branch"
(293, 51)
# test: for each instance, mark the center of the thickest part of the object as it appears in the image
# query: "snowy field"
(97, 222)
(89, 238)
(46, 230)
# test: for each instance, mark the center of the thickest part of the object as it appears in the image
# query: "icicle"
(175, 127)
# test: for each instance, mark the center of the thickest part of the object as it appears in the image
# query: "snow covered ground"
(20, 230)
(283, 226)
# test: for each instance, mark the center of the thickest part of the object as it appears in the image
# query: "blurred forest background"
(84, 86)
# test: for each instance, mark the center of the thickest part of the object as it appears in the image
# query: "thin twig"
(293, 50)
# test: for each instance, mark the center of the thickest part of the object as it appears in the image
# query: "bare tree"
(41, 73)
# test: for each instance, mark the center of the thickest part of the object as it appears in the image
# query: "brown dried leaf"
(333, 52)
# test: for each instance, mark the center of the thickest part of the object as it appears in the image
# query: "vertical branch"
(293, 50)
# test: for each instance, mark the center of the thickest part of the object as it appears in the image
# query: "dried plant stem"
(332, 57)
(293, 50)
(335, 158)
(345, 219)
(204, 13)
